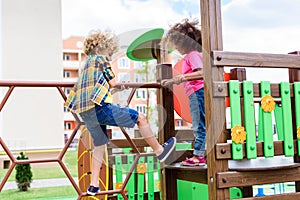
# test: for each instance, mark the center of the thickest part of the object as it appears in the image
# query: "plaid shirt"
(92, 85)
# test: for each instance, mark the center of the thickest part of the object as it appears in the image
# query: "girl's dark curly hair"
(184, 37)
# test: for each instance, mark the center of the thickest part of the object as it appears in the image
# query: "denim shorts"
(97, 118)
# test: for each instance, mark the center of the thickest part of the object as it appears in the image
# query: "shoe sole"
(193, 165)
(171, 150)
(91, 193)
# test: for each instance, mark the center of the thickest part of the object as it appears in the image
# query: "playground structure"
(229, 164)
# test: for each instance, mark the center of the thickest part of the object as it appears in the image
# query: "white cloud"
(261, 26)
(81, 16)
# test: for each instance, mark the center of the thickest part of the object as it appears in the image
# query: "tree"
(23, 173)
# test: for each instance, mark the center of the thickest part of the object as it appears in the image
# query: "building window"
(123, 63)
(124, 77)
(67, 91)
(66, 57)
(138, 65)
(140, 94)
(123, 95)
(179, 123)
(141, 108)
(68, 126)
(140, 78)
(67, 74)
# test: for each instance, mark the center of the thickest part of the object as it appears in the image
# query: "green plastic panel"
(119, 173)
(141, 185)
(267, 122)
(249, 119)
(235, 114)
(197, 191)
(297, 108)
(150, 170)
(260, 125)
(131, 182)
(279, 121)
(287, 119)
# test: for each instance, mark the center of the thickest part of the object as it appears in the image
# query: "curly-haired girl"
(91, 98)
(186, 38)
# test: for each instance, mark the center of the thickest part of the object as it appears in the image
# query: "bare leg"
(148, 135)
(96, 164)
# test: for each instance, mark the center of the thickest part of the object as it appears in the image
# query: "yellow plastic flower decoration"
(238, 134)
(298, 132)
(119, 185)
(268, 103)
(141, 168)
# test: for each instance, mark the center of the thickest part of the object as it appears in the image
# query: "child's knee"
(142, 121)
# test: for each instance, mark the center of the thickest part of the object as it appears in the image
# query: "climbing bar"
(235, 114)
(297, 110)
(267, 122)
(287, 119)
(249, 119)
(223, 58)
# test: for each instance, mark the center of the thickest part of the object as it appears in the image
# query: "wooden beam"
(290, 196)
(224, 58)
(220, 89)
(211, 28)
(238, 179)
(223, 150)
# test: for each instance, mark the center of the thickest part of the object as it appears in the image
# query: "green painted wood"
(279, 121)
(235, 114)
(159, 166)
(150, 170)
(141, 182)
(119, 173)
(267, 122)
(287, 119)
(249, 119)
(131, 182)
(260, 125)
(297, 108)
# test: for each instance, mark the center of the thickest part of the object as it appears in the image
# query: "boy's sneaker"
(168, 146)
(93, 190)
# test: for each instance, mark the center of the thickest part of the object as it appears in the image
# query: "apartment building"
(125, 70)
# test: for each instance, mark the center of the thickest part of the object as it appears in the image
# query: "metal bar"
(4, 100)
(62, 93)
(69, 177)
(62, 153)
(36, 161)
(5, 178)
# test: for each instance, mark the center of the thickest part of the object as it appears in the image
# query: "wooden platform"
(259, 164)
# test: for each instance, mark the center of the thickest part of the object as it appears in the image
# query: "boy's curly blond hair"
(99, 41)
(184, 36)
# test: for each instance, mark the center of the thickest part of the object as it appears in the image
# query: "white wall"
(31, 49)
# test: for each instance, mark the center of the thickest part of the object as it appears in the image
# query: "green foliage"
(23, 173)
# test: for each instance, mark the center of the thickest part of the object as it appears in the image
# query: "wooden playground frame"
(217, 175)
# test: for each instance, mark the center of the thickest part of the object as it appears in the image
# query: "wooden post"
(165, 116)
(214, 107)
(165, 99)
(294, 76)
